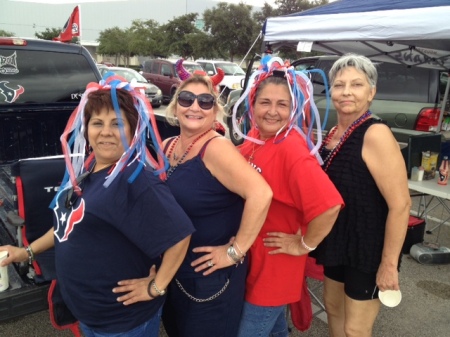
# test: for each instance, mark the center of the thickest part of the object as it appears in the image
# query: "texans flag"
(71, 28)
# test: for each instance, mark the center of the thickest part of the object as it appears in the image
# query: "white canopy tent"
(410, 32)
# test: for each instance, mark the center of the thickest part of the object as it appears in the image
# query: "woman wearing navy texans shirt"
(124, 221)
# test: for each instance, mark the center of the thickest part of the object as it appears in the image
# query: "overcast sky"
(25, 17)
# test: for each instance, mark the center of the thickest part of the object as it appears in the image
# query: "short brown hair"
(99, 99)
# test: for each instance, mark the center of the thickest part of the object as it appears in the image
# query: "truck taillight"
(428, 119)
(12, 41)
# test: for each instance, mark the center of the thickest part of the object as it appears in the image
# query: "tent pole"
(444, 103)
(250, 49)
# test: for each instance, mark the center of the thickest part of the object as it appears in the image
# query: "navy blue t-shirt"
(113, 234)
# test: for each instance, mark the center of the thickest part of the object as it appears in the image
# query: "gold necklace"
(251, 157)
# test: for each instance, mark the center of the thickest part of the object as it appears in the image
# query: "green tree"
(178, 34)
(50, 33)
(201, 45)
(6, 33)
(293, 6)
(116, 42)
(266, 11)
(145, 37)
(232, 28)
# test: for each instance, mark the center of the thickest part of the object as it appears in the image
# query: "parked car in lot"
(233, 75)
(407, 98)
(152, 92)
(163, 74)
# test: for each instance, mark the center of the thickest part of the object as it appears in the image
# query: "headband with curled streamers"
(74, 148)
(304, 114)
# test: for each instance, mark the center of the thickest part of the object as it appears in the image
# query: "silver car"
(152, 92)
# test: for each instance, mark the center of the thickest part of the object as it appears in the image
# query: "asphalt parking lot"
(423, 312)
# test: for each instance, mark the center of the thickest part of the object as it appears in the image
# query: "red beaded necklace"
(334, 151)
(172, 147)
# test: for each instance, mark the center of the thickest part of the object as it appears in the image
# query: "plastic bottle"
(443, 171)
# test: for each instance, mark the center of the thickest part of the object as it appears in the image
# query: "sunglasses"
(187, 98)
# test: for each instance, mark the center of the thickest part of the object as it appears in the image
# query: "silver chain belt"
(200, 300)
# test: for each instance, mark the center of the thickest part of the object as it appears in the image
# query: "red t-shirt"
(301, 192)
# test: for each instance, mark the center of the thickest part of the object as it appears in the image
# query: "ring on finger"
(210, 263)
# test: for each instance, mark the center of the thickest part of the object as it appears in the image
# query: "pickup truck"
(41, 83)
(407, 98)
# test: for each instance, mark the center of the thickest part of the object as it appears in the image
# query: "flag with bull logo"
(72, 27)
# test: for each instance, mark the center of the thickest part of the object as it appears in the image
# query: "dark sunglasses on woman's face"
(187, 98)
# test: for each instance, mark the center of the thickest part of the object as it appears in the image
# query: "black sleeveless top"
(357, 238)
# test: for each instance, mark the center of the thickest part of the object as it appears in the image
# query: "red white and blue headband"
(304, 116)
(74, 143)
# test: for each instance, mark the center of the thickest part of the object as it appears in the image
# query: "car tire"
(156, 105)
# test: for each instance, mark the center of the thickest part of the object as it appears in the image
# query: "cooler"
(414, 234)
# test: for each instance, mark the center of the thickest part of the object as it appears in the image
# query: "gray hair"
(359, 62)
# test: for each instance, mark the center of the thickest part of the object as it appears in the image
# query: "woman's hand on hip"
(215, 257)
(136, 289)
(286, 243)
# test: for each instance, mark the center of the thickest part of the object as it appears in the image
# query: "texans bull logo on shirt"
(67, 218)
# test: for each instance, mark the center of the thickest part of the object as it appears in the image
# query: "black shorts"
(357, 285)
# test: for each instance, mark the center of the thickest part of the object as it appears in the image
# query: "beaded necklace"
(172, 147)
(334, 151)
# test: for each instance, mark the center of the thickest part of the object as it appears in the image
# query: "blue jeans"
(258, 321)
(148, 329)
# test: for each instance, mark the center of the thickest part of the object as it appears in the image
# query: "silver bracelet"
(239, 249)
(308, 248)
(233, 255)
(30, 254)
(159, 292)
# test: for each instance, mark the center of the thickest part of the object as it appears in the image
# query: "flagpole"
(79, 13)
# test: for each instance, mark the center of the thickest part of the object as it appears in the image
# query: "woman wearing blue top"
(116, 220)
(227, 201)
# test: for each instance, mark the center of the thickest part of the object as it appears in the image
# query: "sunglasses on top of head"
(187, 98)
